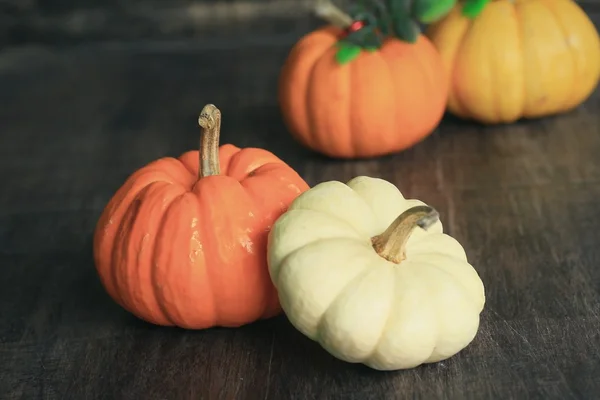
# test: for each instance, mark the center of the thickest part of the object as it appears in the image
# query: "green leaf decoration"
(381, 14)
(371, 16)
(398, 18)
(372, 40)
(346, 52)
(357, 9)
(473, 8)
(429, 11)
(365, 37)
(396, 7)
(405, 28)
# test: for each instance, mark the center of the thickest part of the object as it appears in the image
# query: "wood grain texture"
(522, 199)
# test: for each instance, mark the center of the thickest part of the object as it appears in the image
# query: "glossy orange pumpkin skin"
(518, 59)
(381, 102)
(177, 250)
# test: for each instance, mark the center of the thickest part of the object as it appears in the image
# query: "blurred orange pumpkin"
(185, 245)
(527, 58)
(382, 102)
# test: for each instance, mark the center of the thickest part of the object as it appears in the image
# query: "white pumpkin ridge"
(337, 290)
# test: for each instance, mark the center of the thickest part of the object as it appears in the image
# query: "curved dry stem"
(210, 122)
(391, 244)
(328, 11)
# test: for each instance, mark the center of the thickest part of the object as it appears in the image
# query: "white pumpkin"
(414, 300)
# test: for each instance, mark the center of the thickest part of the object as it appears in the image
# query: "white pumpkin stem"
(210, 122)
(391, 244)
(328, 11)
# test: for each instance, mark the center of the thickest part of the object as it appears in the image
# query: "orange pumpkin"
(524, 58)
(382, 102)
(185, 245)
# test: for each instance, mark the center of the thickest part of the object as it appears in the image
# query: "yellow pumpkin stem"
(210, 122)
(329, 12)
(391, 244)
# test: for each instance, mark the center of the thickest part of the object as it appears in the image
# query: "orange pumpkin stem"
(391, 244)
(329, 12)
(210, 122)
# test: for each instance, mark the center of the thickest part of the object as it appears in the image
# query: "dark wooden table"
(523, 199)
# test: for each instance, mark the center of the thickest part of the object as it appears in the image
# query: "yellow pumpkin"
(518, 59)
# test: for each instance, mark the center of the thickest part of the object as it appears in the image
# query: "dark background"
(82, 21)
(54, 22)
(72, 21)
(92, 90)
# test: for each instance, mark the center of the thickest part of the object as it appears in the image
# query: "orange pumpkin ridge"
(382, 102)
(183, 241)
